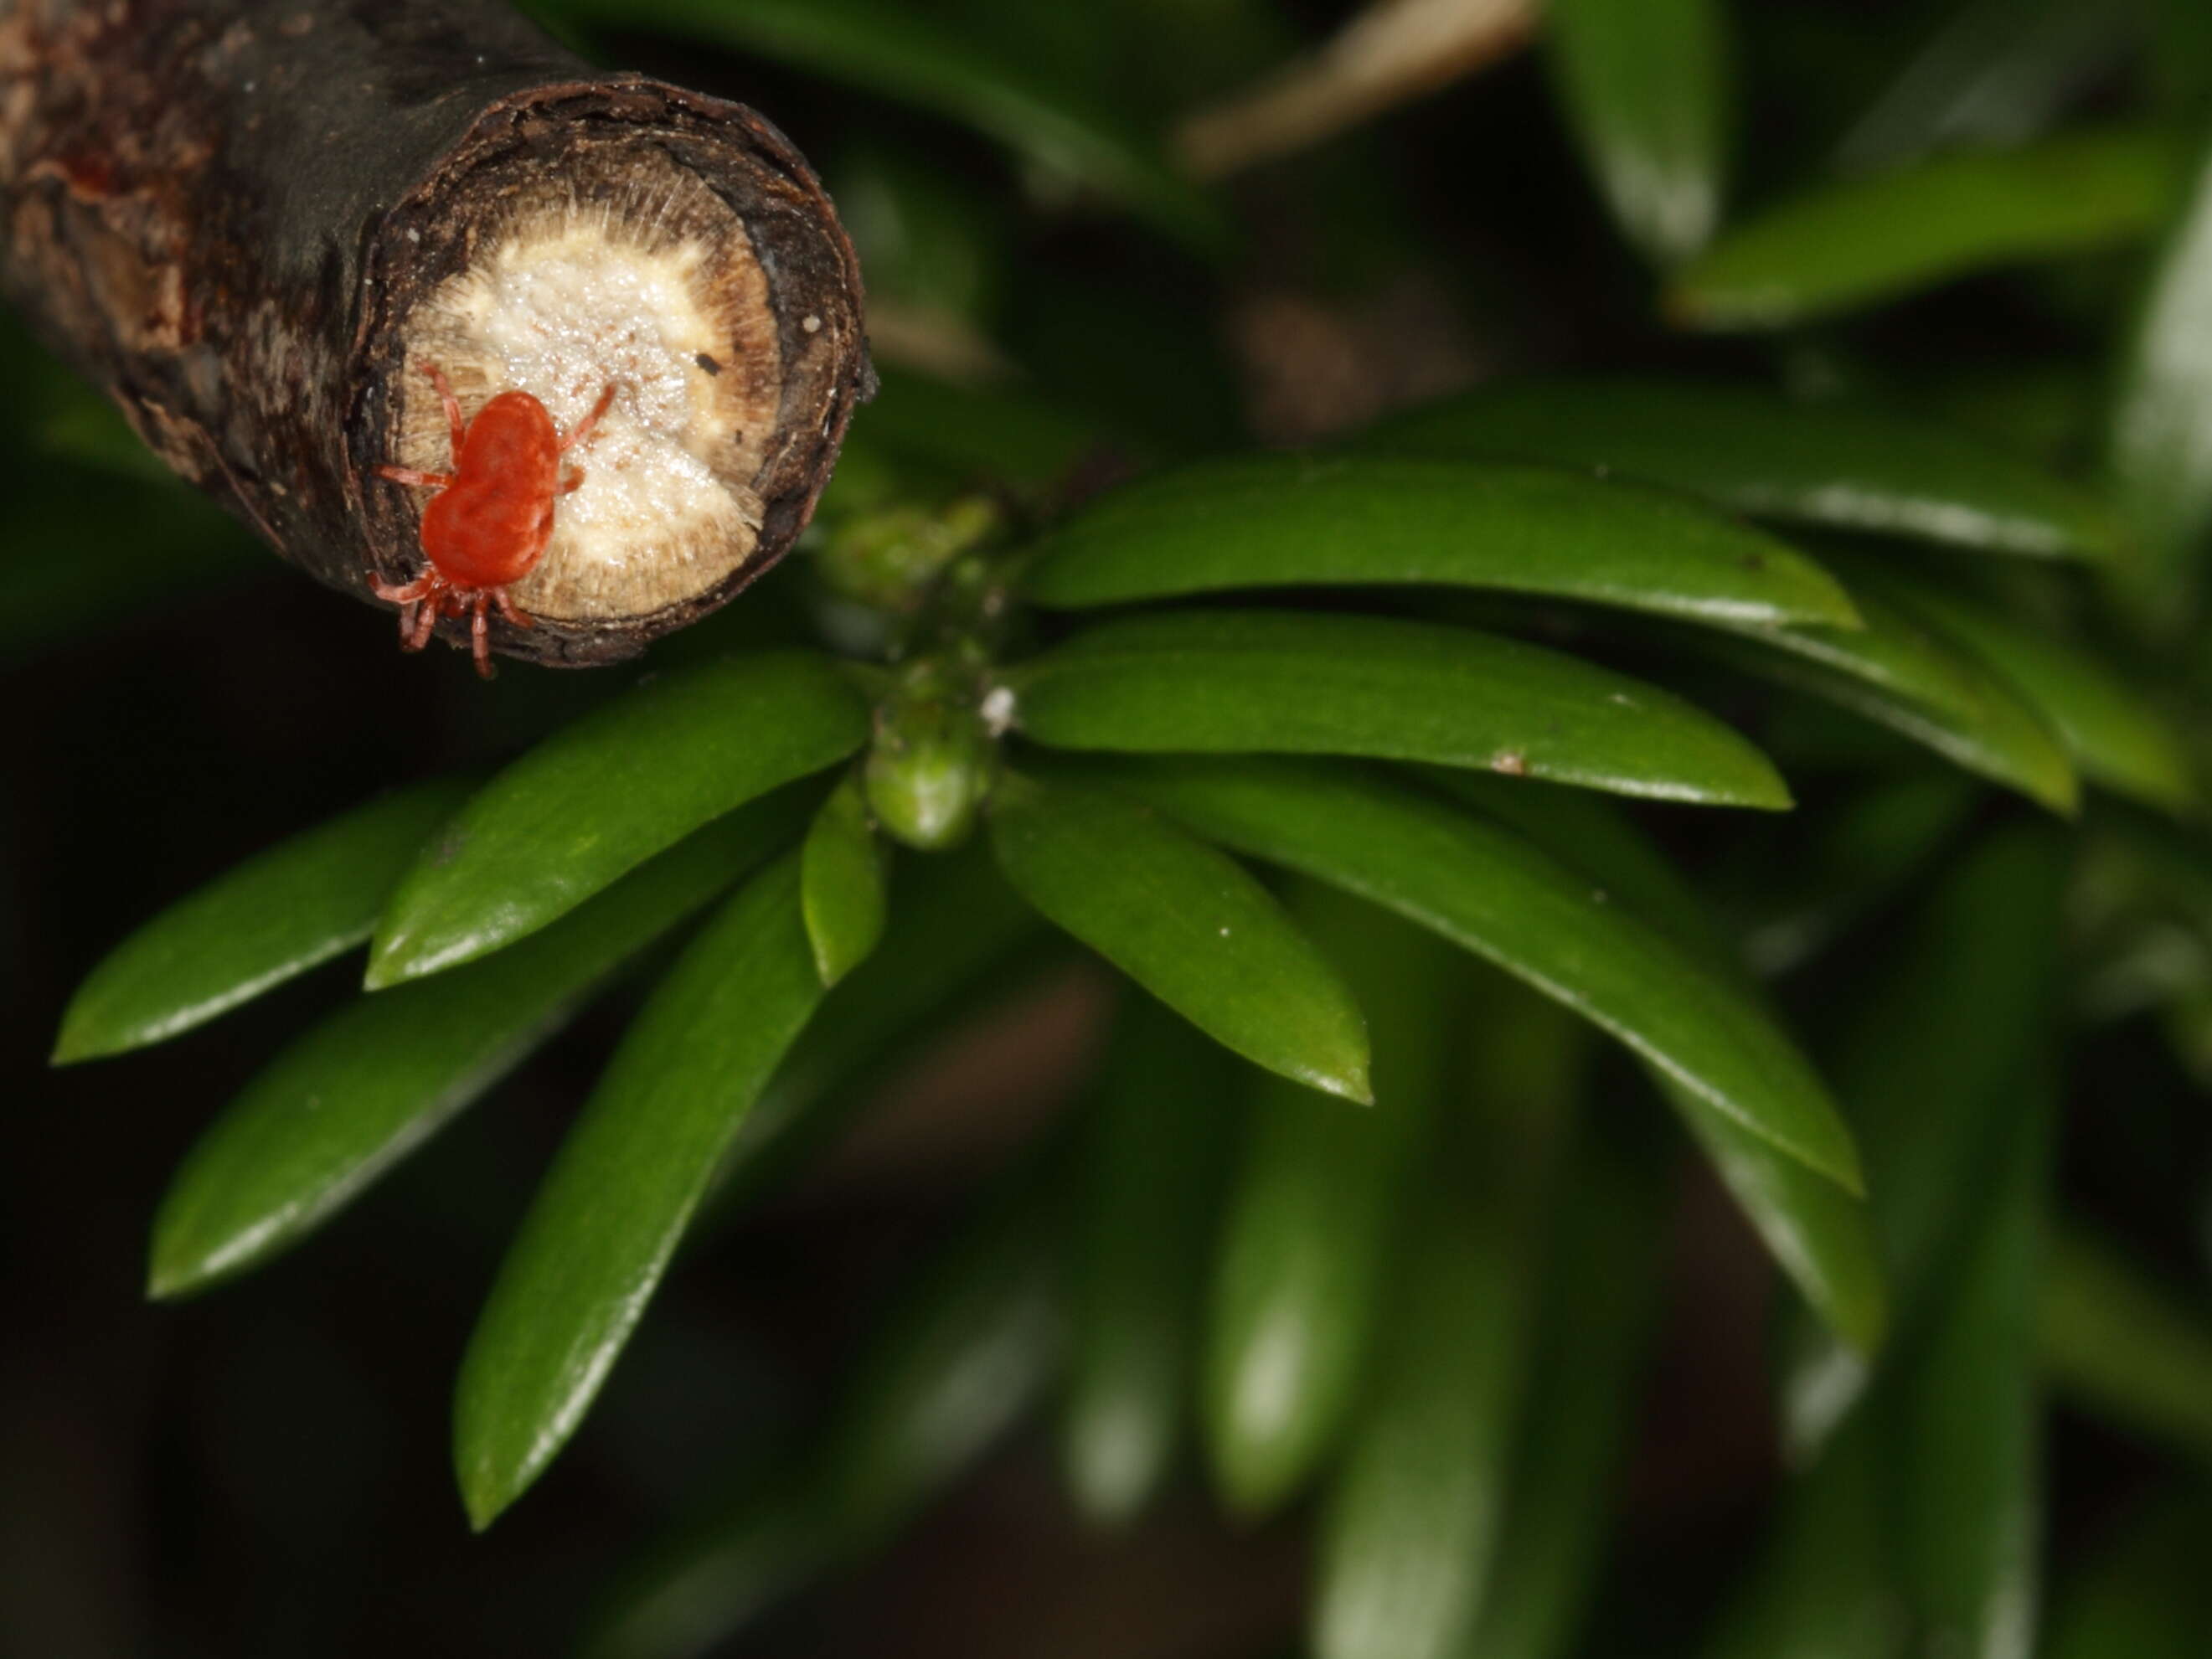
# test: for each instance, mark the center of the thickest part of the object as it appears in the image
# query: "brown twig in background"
(257, 226)
(1392, 51)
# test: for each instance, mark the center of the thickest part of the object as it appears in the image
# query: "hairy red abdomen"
(489, 525)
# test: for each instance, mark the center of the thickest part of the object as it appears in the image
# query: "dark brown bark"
(227, 214)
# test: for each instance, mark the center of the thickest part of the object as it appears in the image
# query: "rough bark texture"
(225, 212)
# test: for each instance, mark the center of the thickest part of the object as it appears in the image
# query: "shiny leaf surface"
(375, 1080)
(1497, 895)
(843, 884)
(1375, 520)
(270, 919)
(2113, 733)
(1288, 682)
(603, 795)
(611, 1210)
(1187, 923)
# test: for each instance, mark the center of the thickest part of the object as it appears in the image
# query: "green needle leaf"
(1185, 922)
(2122, 1345)
(1826, 1586)
(1595, 1326)
(613, 1207)
(1497, 895)
(1151, 1177)
(274, 917)
(1927, 1069)
(1819, 1235)
(1413, 1523)
(1286, 683)
(924, 61)
(1970, 1411)
(1378, 520)
(605, 794)
(1311, 1226)
(844, 890)
(375, 1081)
(964, 1352)
(2113, 734)
(1772, 457)
(1644, 85)
(967, 1349)
(1861, 242)
(2161, 422)
(1899, 673)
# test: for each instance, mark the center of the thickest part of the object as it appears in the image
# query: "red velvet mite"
(488, 523)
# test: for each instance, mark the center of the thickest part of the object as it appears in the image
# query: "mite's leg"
(456, 426)
(571, 481)
(408, 475)
(480, 636)
(513, 612)
(425, 617)
(584, 427)
(406, 595)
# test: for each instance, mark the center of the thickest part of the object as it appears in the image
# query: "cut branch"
(258, 225)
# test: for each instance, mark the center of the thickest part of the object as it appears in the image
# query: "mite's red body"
(488, 523)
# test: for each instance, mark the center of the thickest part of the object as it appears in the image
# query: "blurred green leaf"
(1004, 433)
(2161, 420)
(843, 884)
(966, 1349)
(1375, 520)
(1150, 1178)
(611, 1210)
(1855, 855)
(1994, 74)
(1898, 673)
(1927, 1068)
(1645, 86)
(363, 1089)
(270, 919)
(1495, 894)
(1312, 1224)
(1596, 838)
(1825, 1587)
(1969, 1458)
(1819, 1234)
(1772, 457)
(1599, 1306)
(1185, 922)
(2144, 1593)
(2114, 735)
(2125, 1346)
(1291, 683)
(1860, 242)
(2181, 55)
(1413, 1522)
(948, 938)
(607, 792)
(763, 1542)
(904, 54)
